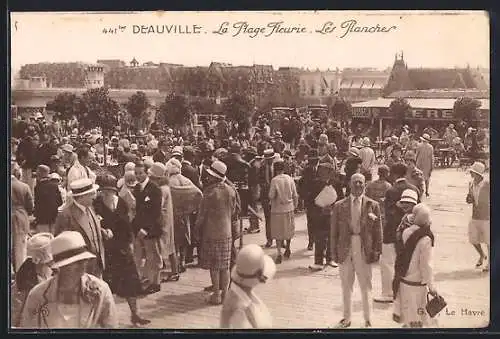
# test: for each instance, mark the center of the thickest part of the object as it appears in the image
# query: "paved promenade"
(298, 298)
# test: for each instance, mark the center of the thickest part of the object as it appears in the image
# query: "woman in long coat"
(284, 200)
(414, 275)
(186, 198)
(157, 174)
(121, 271)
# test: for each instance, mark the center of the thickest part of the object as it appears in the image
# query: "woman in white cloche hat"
(71, 298)
(242, 308)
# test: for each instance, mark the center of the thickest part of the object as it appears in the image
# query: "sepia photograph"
(319, 170)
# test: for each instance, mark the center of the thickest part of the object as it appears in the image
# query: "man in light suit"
(78, 215)
(356, 243)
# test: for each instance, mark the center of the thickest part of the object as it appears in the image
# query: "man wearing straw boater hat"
(71, 298)
(78, 215)
(479, 225)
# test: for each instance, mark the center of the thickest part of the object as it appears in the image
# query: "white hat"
(69, 247)
(55, 176)
(410, 196)
(129, 179)
(478, 168)
(354, 151)
(269, 153)
(82, 186)
(38, 248)
(177, 151)
(422, 215)
(218, 169)
(67, 148)
(253, 266)
(425, 137)
(134, 147)
(173, 166)
(129, 166)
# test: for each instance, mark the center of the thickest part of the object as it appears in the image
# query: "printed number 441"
(112, 31)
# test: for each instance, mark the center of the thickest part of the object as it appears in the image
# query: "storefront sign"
(416, 113)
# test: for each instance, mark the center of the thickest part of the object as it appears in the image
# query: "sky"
(427, 39)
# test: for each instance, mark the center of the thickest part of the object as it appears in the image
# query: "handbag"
(326, 197)
(435, 305)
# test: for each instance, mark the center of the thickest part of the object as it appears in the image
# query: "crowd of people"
(83, 231)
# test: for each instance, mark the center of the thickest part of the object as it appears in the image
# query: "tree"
(466, 109)
(399, 109)
(66, 105)
(174, 111)
(137, 108)
(341, 109)
(97, 109)
(238, 107)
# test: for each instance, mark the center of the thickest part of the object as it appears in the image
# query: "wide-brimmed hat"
(409, 196)
(69, 247)
(354, 151)
(107, 182)
(269, 153)
(157, 170)
(425, 137)
(218, 169)
(38, 248)
(177, 151)
(82, 186)
(55, 176)
(67, 148)
(252, 266)
(478, 168)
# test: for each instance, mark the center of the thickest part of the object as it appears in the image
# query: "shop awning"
(418, 103)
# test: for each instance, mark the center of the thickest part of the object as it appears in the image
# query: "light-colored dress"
(242, 310)
(425, 159)
(414, 298)
(284, 199)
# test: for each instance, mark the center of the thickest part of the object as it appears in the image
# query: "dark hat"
(107, 182)
(188, 150)
(235, 147)
(287, 153)
(251, 151)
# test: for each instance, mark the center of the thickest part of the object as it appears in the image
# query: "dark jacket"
(148, 210)
(237, 170)
(26, 154)
(190, 172)
(480, 208)
(47, 200)
(159, 156)
(306, 184)
(394, 214)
